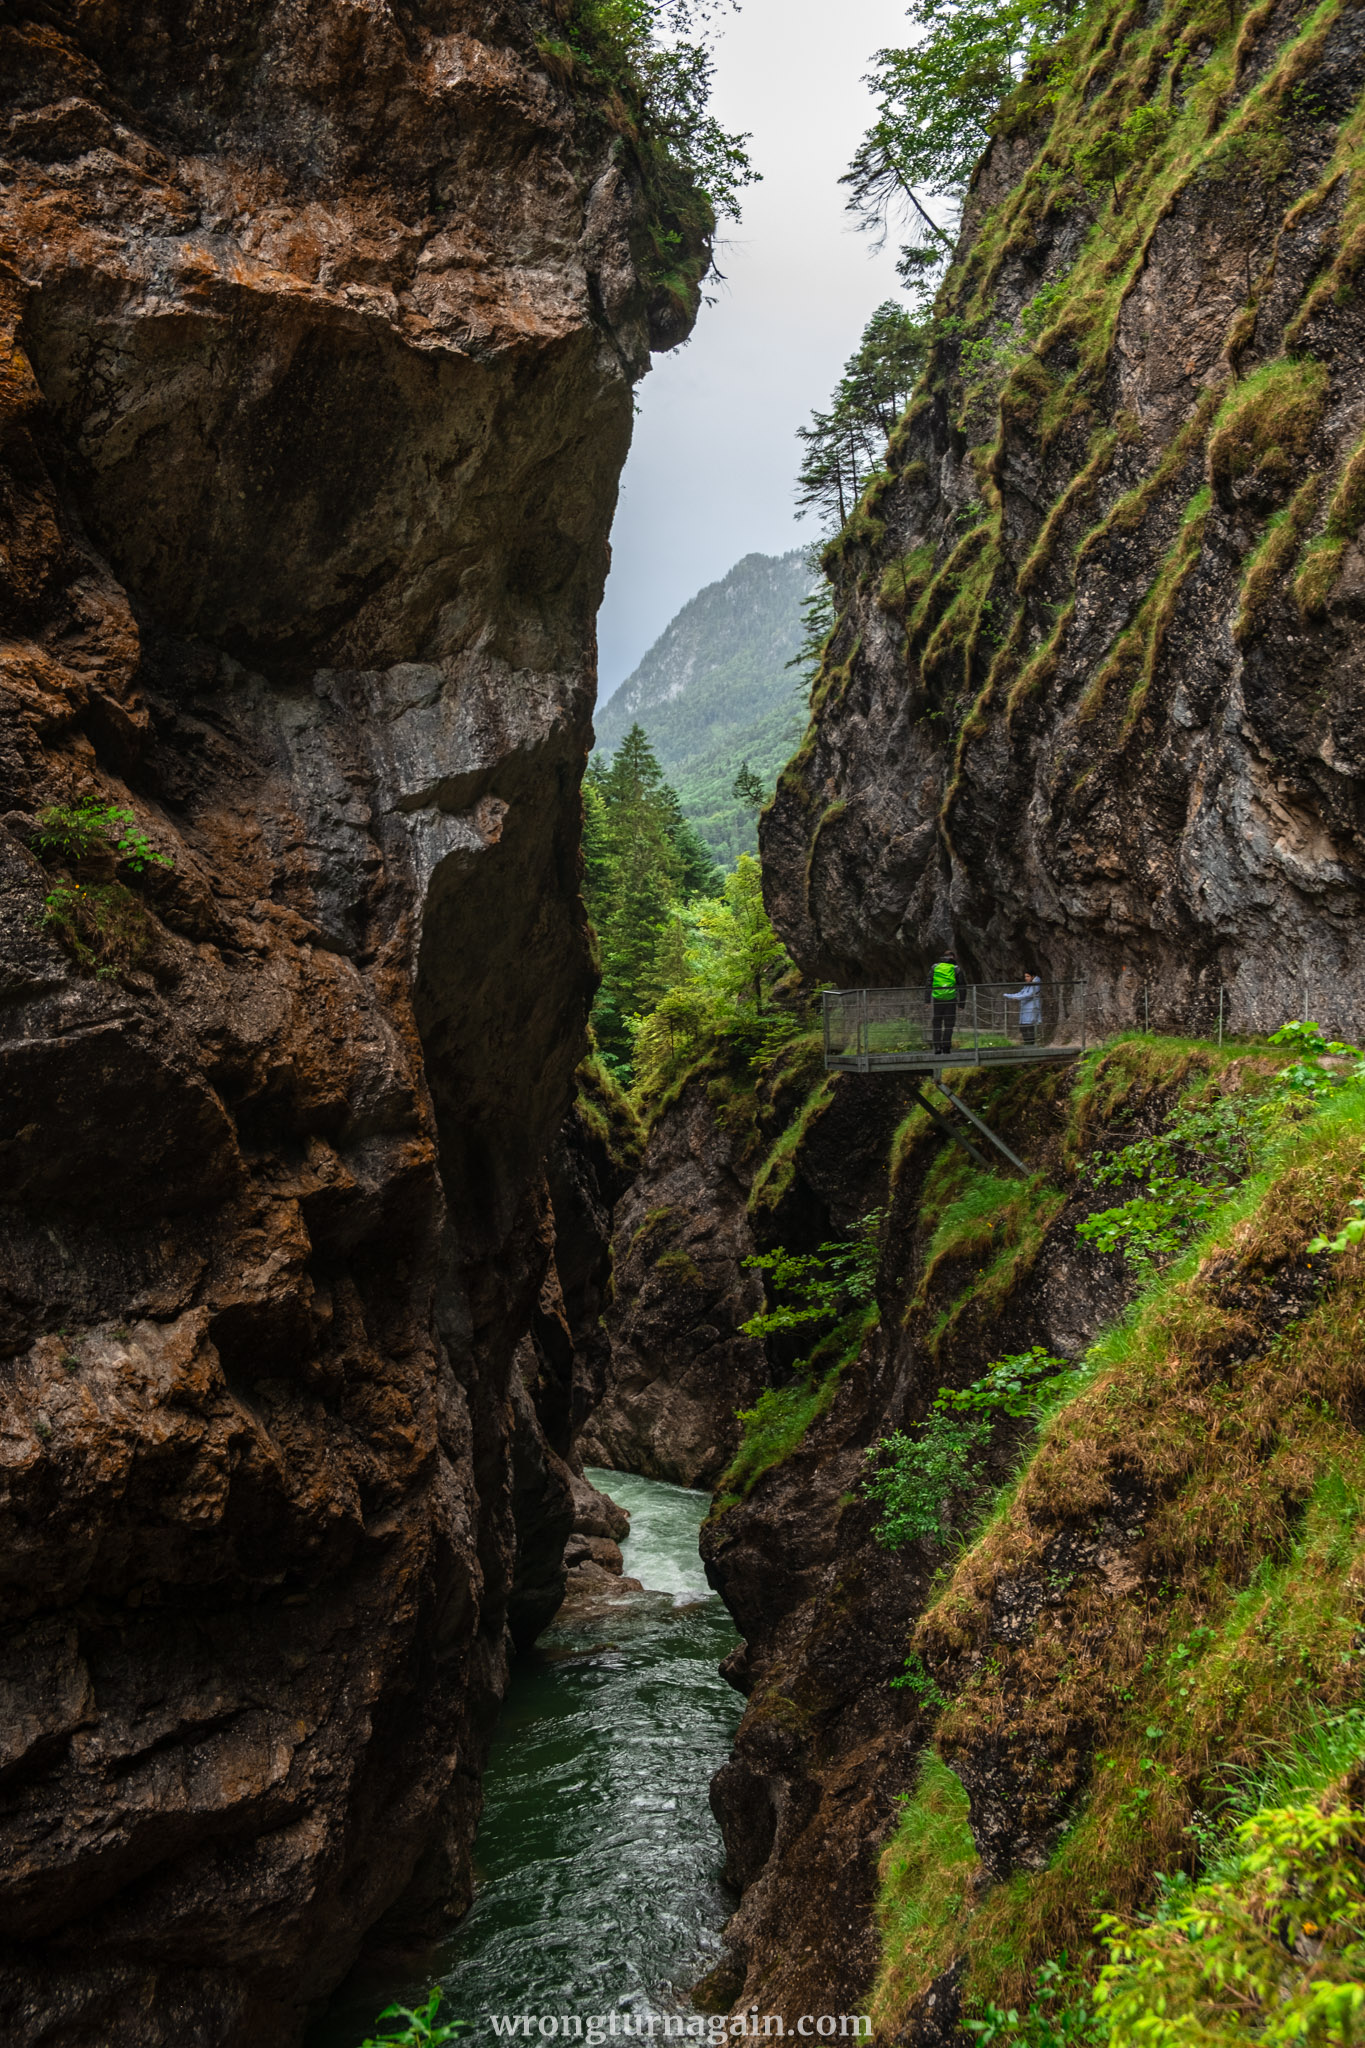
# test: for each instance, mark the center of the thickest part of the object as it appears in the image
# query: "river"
(598, 1860)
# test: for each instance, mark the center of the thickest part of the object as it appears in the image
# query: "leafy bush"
(827, 1289)
(1273, 1953)
(74, 832)
(1061, 2013)
(423, 2029)
(915, 1478)
(830, 1298)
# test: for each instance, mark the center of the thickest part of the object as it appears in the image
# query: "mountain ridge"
(716, 688)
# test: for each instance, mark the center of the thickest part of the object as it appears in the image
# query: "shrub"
(423, 2029)
(74, 832)
(1273, 1953)
(915, 1478)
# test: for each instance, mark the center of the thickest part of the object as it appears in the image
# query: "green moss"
(1270, 560)
(904, 580)
(655, 1220)
(925, 1875)
(1077, 493)
(998, 1224)
(1266, 425)
(778, 1168)
(608, 1113)
(676, 1265)
(775, 1426)
(1225, 1630)
(1132, 662)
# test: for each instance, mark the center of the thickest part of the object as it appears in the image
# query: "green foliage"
(73, 832)
(1027, 1383)
(717, 964)
(641, 860)
(915, 1478)
(827, 1289)
(937, 102)
(845, 446)
(1274, 1952)
(916, 1678)
(1205, 1151)
(829, 1297)
(1061, 2013)
(747, 788)
(102, 925)
(1150, 1229)
(715, 689)
(423, 2028)
(647, 50)
(1107, 157)
(1351, 1232)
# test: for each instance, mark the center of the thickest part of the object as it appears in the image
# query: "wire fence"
(867, 1028)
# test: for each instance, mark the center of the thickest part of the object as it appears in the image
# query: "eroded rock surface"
(679, 1367)
(319, 327)
(1087, 709)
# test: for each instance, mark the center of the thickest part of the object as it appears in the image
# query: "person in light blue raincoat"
(1030, 1001)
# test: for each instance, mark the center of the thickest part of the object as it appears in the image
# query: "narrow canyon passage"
(598, 1858)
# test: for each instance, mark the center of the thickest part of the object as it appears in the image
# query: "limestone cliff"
(1092, 704)
(1094, 698)
(320, 326)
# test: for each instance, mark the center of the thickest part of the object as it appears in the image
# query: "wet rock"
(596, 1513)
(316, 352)
(595, 1549)
(679, 1368)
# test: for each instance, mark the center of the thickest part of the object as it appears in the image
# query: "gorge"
(327, 1254)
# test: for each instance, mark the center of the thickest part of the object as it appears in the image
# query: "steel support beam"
(949, 1130)
(985, 1129)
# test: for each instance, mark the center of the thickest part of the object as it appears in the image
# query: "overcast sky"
(711, 473)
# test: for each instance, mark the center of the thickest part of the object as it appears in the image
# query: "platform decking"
(892, 1030)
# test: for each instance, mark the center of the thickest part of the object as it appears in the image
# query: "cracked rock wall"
(319, 328)
(1094, 698)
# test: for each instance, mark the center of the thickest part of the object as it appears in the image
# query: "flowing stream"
(598, 1859)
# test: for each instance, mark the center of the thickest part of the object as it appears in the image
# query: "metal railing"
(994, 1021)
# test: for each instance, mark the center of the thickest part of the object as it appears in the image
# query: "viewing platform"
(898, 1030)
(993, 1024)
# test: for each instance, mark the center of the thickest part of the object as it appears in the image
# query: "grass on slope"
(1189, 1538)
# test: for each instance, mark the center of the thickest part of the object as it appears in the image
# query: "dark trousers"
(1029, 1033)
(945, 1016)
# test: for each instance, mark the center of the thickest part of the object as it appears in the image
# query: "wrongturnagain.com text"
(596, 2029)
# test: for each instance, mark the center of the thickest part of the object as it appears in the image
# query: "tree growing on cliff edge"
(937, 100)
(657, 51)
(845, 445)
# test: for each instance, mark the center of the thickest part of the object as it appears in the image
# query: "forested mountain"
(715, 690)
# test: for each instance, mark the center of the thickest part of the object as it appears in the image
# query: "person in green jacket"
(946, 991)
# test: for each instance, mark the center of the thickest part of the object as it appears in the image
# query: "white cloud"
(711, 472)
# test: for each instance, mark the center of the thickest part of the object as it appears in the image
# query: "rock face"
(319, 327)
(678, 1367)
(721, 1180)
(1094, 700)
(827, 1743)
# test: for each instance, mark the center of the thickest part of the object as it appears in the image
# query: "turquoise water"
(598, 1858)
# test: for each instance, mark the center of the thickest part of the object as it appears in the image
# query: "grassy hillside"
(715, 690)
